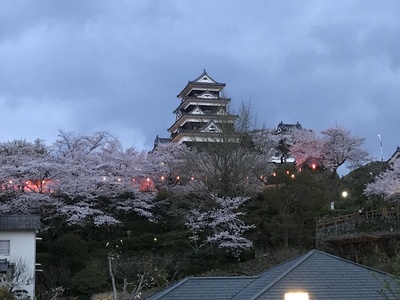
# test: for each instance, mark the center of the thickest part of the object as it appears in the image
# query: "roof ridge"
(168, 289)
(223, 277)
(238, 292)
(284, 262)
(301, 258)
(201, 75)
(354, 263)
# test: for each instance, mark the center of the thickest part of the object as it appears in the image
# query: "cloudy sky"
(117, 66)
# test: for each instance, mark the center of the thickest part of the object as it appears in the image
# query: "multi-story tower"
(202, 115)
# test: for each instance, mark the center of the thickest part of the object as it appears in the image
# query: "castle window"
(5, 247)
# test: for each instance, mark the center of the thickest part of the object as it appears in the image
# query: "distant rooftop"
(19, 222)
(395, 156)
(285, 128)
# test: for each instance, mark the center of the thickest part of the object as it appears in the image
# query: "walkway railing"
(350, 218)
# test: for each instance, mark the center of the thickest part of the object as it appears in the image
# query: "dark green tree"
(285, 212)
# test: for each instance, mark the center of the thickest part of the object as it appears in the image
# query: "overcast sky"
(117, 66)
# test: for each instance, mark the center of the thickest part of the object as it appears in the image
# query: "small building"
(285, 133)
(160, 141)
(18, 249)
(287, 128)
(314, 275)
(395, 156)
(202, 114)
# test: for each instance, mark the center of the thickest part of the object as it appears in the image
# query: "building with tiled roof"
(314, 275)
(18, 246)
(160, 141)
(287, 128)
(395, 156)
(202, 114)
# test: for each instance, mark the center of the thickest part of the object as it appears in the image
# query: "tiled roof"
(199, 83)
(282, 127)
(395, 156)
(321, 275)
(19, 222)
(204, 74)
(204, 288)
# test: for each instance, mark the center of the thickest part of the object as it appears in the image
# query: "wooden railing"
(363, 214)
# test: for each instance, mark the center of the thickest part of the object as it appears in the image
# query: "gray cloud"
(118, 66)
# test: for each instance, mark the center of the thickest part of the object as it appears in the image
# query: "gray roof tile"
(321, 275)
(19, 222)
(199, 288)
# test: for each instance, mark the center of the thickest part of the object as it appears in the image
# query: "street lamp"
(345, 194)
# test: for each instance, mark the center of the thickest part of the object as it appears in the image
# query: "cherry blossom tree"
(340, 147)
(96, 166)
(72, 178)
(26, 169)
(44, 205)
(331, 149)
(265, 142)
(220, 226)
(91, 166)
(167, 167)
(25, 166)
(307, 148)
(386, 184)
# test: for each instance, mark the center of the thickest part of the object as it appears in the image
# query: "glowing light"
(313, 166)
(119, 179)
(296, 296)
(274, 174)
(27, 182)
(43, 181)
(148, 179)
(292, 176)
(288, 172)
(162, 178)
(104, 178)
(155, 239)
(10, 181)
(192, 178)
(345, 194)
(178, 177)
(133, 179)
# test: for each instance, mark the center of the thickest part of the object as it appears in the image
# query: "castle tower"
(202, 114)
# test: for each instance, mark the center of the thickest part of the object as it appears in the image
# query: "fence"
(362, 214)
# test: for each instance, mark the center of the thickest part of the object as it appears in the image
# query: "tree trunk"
(112, 278)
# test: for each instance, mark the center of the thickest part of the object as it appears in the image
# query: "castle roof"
(285, 128)
(204, 82)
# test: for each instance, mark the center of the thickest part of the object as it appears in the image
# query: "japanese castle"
(202, 114)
